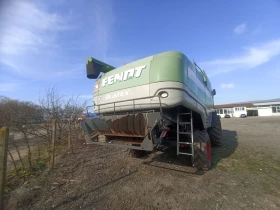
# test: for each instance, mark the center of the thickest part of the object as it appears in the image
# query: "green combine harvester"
(160, 101)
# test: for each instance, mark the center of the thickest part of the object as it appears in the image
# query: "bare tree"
(61, 109)
(33, 121)
(15, 114)
(18, 115)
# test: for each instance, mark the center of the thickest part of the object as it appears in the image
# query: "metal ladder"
(179, 141)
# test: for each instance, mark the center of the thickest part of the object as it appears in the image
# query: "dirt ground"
(245, 175)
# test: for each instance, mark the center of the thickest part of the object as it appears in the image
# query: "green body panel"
(130, 82)
(164, 67)
(168, 66)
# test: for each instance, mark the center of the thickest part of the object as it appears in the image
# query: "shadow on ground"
(171, 161)
(230, 143)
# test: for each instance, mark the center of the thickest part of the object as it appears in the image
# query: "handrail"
(125, 105)
(155, 95)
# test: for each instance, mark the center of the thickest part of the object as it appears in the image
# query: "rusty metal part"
(127, 142)
(132, 129)
(124, 135)
(122, 125)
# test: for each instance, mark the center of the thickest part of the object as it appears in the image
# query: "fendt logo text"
(123, 76)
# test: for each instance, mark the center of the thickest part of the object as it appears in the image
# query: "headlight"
(163, 94)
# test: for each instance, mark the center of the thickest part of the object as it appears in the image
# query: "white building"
(273, 105)
(232, 112)
(252, 108)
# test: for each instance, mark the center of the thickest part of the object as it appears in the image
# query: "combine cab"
(159, 101)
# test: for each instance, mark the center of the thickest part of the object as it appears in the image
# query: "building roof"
(234, 105)
(265, 101)
(249, 103)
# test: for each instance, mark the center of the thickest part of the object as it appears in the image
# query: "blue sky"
(46, 43)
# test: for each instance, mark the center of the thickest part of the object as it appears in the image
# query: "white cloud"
(103, 19)
(29, 44)
(7, 87)
(240, 28)
(75, 71)
(251, 57)
(8, 63)
(33, 41)
(227, 86)
(26, 27)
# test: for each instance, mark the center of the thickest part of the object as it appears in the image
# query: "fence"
(32, 149)
(4, 136)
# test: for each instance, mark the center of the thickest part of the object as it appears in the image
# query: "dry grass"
(24, 165)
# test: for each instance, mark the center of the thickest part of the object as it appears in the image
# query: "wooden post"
(53, 143)
(4, 137)
(69, 137)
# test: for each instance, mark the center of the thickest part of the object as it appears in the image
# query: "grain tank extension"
(164, 100)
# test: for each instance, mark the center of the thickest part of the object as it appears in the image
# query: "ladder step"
(184, 123)
(184, 142)
(182, 153)
(185, 133)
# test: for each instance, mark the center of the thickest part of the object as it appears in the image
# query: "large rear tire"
(215, 133)
(202, 150)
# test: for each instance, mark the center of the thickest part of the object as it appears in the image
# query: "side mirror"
(93, 68)
(213, 92)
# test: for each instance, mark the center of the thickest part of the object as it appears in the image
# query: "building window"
(235, 109)
(276, 109)
(243, 108)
